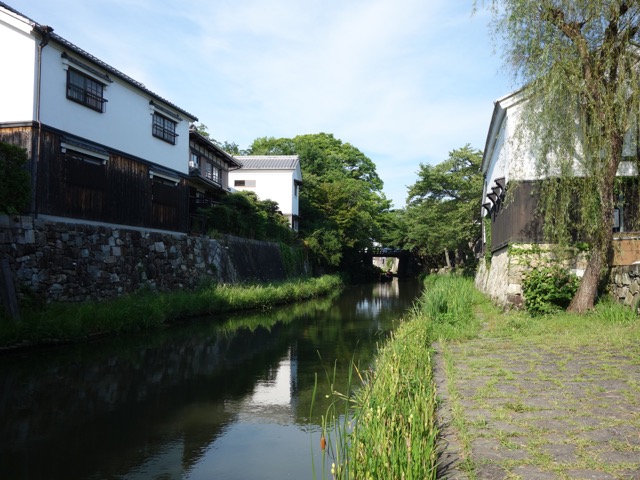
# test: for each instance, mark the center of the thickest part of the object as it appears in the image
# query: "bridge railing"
(384, 251)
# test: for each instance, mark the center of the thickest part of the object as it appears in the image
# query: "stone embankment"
(625, 284)
(59, 261)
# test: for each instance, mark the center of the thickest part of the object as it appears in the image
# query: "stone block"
(26, 222)
(93, 270)
(116, 251)
(6, 222)
(159, 247)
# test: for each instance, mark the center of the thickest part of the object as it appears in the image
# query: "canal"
(225, 399)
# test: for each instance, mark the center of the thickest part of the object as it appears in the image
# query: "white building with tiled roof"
(100, 145)
(271, 177)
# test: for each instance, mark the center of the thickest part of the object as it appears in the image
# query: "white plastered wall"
(126, 124)
(275, 185)
(17, 81)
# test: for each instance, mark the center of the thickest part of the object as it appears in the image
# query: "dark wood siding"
(129, 187)
(118, 190)
(21, 136)
(84, 193)
(170, 207)
(515, 220)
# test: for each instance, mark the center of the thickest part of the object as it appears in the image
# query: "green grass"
(393, 430)
(393, 433)
(146, 309)
(610, 329)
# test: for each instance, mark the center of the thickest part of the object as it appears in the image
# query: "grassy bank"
(393, 433)
(147, 309)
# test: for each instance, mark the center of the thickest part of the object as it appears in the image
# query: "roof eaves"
(497, 118)
(230, 158)
(38, 28)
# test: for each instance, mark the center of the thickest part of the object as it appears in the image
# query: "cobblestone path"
(514, 411)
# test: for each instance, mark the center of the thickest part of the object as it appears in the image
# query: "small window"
(85, 90)
(212, 172)
(244, 183)
(85, 171)
(195, 161)
(164, 129)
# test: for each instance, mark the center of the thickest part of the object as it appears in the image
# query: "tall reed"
(148, 309)
(448, 302)
(394, 430)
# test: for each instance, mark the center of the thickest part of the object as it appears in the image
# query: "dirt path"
(511, 411)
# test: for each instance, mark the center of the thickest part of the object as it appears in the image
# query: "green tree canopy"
(244, 215)
(443, 205)
(578, 60)
(341, 201)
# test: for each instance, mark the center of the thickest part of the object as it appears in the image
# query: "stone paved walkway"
(527, 413)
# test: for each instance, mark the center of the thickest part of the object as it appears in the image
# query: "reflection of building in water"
(381, 294)
(387, 289)
(274, 398)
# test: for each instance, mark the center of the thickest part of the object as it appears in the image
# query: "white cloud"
(404, 81)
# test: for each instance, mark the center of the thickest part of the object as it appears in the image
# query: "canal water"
(224, 399)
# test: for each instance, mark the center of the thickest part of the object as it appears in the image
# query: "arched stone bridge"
(385, 252)
(406, 263)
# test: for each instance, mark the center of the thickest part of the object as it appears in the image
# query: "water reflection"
(273, 399)
(225, 398)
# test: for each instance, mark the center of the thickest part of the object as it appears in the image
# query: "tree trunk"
(602, 244)
(446, 256)
(584, 298)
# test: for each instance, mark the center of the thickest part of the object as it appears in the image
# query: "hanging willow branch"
(579, 62)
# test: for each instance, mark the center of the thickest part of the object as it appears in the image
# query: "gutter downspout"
(45, 31)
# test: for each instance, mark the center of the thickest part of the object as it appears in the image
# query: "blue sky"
(404, 81)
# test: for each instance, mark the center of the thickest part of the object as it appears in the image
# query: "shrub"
(243, 215)
(548, 289)
(14, 181)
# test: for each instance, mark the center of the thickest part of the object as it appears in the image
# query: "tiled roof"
(198, 137)
(78, 51)
(268, 162)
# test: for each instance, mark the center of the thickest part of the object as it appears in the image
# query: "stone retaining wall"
(60, 261)
(624, 284)
(502, 277)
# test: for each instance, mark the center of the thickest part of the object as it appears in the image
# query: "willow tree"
(578, 60)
